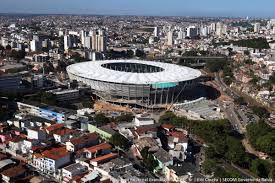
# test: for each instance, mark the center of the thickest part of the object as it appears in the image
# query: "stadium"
(134, 82)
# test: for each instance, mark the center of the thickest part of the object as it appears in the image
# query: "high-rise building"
(272, 22)
(68, 42)
(83, 35)
(192, 32)
(257, 27)
(219, 29)
(35, 45)
(170, 40)
(181, 34)
(203, 31)
(87, 42)
(156, 31)
(273, 30)
(99, 41)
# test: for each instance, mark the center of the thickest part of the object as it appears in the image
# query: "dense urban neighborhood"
(136, 99)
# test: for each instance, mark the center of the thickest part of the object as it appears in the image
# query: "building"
(69, 172)
(156, 32)
(65, 95)
(10, 82)
(13, 174)
(83, 141)
(68, 42)
(141, 121)
(143, 83)
(35, 45)
(50, 160)
(257, 27)
(99, 41)
(45, 113)
(105, 132)
(170, 39)
(192, 32)
(220, 29)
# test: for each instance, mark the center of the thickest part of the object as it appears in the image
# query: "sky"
(228, 8)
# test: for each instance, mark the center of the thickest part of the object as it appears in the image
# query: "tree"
(167, 117)
(266, 143)
(128, 117)
(261, 112)
(140, 53)
(101, 119)
(260, 167)
(148, 159)
(240, 101)
(209, 166)
(120, 141)
(235, 152)
(215, 65)
(48, 98)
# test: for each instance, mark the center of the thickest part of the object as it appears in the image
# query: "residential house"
(73, 170)
(105, 132)
(50, 160)
(83, 141)
(13, 174)
(97, 150)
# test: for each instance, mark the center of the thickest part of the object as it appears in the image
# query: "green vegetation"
(260, 111)
(127, 117)
(261, 136)
(260, 167)
(101, 119)
(111, 54)
(120, 141)
(240, 101)
(221, 144)
(257, 43)
(48, 98)
(148, 159)
(216, 65)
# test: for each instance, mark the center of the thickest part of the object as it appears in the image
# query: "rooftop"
(130, 73)
(98, 147)
(14, 171)
(55, 153)
(84, 138)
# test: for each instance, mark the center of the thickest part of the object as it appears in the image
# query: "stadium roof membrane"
(164, 72)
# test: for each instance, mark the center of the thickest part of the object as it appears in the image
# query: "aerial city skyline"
(137, 91)
(232, 8)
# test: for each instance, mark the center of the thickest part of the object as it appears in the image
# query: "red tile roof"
(84, 138)
(54, 127)
(144, 129)
(98, 147)
(56, 153)
(14, 171)
(178, 134)
(64, 131)
(168, 126)
(105, 157)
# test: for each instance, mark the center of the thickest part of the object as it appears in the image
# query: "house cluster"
(83, 152)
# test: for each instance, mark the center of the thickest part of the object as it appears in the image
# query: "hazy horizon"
(199, 8)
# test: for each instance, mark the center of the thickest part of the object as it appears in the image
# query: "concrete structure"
(145, 83)
(10, 82)
(257, 27)
(99, 41)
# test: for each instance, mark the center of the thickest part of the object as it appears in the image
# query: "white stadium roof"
(95, 71)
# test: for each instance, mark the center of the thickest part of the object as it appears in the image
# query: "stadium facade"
(144, 83)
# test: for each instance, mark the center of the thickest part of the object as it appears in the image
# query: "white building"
(170, 40)
(73, 170)
(156, 31)
(35, 45)
(49, 161)
(257, 27)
